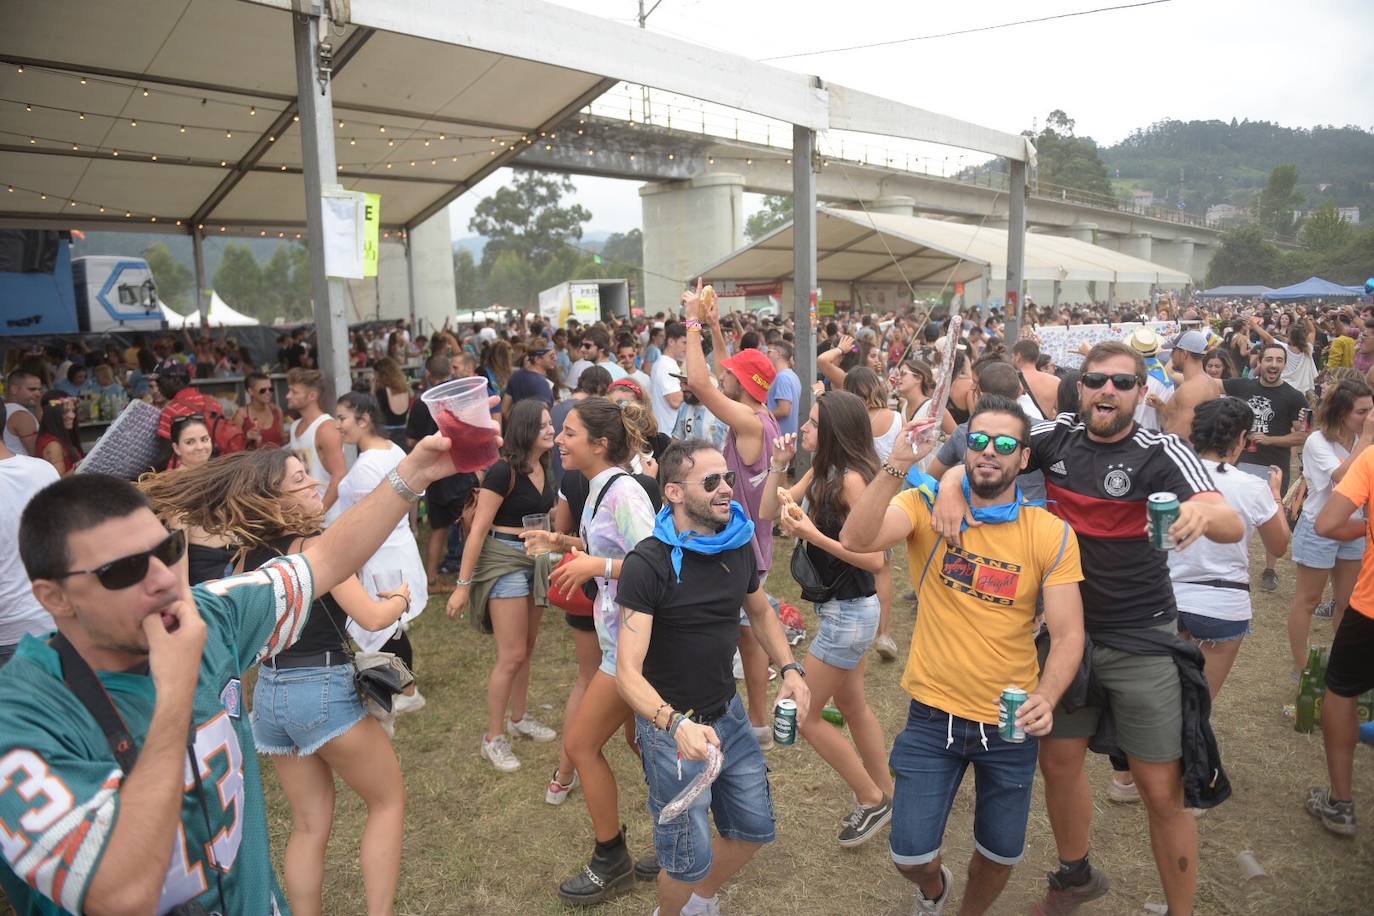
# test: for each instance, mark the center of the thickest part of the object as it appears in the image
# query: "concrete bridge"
(693, 209)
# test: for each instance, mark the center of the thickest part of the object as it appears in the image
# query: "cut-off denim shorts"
(848, 628)
(297, 711)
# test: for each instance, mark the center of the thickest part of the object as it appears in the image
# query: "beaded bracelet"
(693, 324)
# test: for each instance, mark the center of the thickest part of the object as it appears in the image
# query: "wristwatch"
(792, 666)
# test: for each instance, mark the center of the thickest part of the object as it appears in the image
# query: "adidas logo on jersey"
(1058, 468)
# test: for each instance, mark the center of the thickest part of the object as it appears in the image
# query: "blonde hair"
(237, 497)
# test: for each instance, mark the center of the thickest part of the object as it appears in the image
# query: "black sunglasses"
(711, 482)
(131, 570)
(1003, 445)
(1121, 381)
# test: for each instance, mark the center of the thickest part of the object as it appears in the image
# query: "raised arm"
(356, 535)
(829, 362)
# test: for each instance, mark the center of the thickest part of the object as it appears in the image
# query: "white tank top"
(883, 444)
(304, 442)
(13, 442)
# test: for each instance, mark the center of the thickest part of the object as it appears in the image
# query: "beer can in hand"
(1013, 698)
(1162, 510)
(785, 722)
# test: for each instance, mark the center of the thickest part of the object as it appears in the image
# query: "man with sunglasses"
(131, 815)
(1100, 468)
(974, 636)
(681, 590)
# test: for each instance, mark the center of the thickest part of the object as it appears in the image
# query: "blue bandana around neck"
(738, 532)
(988, 515)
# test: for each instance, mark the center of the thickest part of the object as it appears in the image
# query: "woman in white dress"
(397, 561)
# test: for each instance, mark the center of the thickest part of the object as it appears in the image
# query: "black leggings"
(400, 646)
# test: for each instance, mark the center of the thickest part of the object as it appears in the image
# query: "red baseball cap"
(754, 370)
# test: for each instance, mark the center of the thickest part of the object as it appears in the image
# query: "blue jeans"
(297, 711)
(929, 758)
(740, 798)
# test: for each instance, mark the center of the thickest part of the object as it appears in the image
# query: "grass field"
(478, 841)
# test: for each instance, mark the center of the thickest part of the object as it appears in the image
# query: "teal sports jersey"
(59, 781)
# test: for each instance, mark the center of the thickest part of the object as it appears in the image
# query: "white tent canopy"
(220, 315)
(853, 246)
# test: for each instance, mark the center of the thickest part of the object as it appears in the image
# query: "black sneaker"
(864, 821)
(605, 876)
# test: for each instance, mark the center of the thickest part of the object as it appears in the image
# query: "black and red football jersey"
(1101, 489)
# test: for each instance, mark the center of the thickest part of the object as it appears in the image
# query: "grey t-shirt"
(951, 454)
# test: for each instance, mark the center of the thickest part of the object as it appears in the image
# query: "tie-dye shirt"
(624, 518)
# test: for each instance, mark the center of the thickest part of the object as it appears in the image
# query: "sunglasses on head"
(711, 482)
(1121, 381)
(1003, 445)
(131, 570)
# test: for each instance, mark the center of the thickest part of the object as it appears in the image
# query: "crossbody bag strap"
(84, 683)
(596, 506)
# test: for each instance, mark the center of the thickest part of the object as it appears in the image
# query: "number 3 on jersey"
(186, 877)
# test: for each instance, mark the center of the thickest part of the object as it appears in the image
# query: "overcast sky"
(1295, 63)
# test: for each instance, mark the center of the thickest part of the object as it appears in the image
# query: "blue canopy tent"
(1234, 292)
(1313, 288)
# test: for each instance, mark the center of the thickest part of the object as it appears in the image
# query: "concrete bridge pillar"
(688, 225)
(1138, 245)
(1175, 253)
(1083, 232)
(897, 204)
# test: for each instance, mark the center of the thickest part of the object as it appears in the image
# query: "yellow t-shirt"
(976, 618)
(1342, 352)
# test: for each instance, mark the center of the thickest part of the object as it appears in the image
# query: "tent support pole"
(804, 265)
(410, 280)
(314, 91)
(202, 292)
(1016, 248)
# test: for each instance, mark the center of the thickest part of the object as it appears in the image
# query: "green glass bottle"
(833, 716)
(1307, 708)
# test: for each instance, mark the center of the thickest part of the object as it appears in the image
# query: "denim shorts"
(929, 758)
(740, 798)
(514, 584)
(1316, 552)
(1212, 629)
(848, 628)
(296, 711)
(744, 617)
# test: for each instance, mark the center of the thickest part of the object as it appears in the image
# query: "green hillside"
(1202, 163)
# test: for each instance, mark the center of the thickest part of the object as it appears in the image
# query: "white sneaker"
(699, 906)
(765, 735)
(408, 703)
(557, 793)
(926, 907)
(886, 647)
(532, 728)
(498, 751)
(1124, 792)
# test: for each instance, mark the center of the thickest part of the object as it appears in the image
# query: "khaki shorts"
(1146, 701)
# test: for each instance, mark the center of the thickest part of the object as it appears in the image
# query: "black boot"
(611, 871)
(646, 869)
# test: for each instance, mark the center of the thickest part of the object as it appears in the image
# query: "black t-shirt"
(526, 383)
(1101, 489)
(522, 499)
(1276, 410)
(696, 620)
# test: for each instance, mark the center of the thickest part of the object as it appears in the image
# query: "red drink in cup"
(461, 410)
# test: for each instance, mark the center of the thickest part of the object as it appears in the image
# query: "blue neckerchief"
(929, 488)
(737, 533)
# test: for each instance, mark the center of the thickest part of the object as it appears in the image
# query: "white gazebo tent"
(857, 247)
(219, 313)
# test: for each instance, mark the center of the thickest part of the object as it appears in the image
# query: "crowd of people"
(301, 539)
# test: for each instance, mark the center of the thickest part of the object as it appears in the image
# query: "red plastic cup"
(462, 412)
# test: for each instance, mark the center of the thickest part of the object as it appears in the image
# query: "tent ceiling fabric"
(184, 49)
(854, 246)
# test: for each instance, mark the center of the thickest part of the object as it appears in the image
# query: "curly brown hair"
(236, 496)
